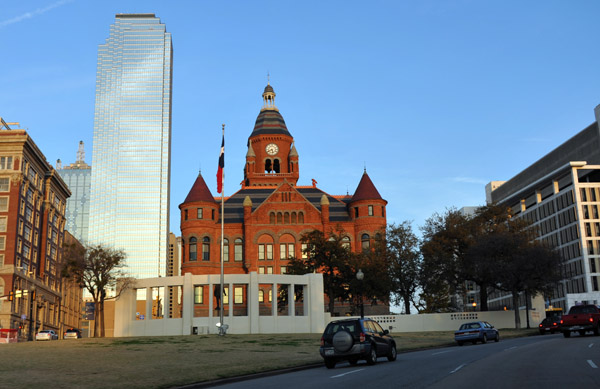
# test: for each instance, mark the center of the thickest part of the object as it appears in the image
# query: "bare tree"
(97, 269)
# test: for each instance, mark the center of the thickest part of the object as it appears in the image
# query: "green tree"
(326, 254)
(404, 258)
(446, 238)
(97, 269)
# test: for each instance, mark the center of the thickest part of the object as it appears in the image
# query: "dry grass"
(162, 362)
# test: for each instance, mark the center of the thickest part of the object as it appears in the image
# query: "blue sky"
(435, 98)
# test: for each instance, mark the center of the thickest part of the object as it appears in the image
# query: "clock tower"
(272, 157)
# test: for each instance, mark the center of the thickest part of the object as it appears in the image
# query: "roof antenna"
(365, 167)
(268, 78)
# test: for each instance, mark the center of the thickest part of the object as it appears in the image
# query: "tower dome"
(269, 120)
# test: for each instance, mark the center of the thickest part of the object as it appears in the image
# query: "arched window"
(206, 249)
(193, 249)
(294, 218)
(279, 218)
(238, 250)
(276, 167)
(272, 218)
(286, 218)
(268, 166)
(225, 250)
(365, 242)
(346, 242)
(301, 218)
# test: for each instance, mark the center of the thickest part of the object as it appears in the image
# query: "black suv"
(354, 339)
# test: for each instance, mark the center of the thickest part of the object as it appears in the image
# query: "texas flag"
(221, 166)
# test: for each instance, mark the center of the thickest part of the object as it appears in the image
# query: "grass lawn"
(162, 362)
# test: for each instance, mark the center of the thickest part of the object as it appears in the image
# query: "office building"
(560, 195)
(78, 177)
(129, 205)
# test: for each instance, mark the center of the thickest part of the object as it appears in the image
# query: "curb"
(229, 380)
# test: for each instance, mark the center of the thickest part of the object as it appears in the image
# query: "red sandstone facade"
(266, 218)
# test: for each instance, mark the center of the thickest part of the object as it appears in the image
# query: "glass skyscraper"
(129, 206)
(78, 177)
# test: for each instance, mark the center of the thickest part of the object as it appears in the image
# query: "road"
(513, 363)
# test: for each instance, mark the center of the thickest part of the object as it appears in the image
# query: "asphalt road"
(514, 363)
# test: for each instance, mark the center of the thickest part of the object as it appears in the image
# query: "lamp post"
(360, 276)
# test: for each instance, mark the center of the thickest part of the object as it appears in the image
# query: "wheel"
(484, 339)
(459, 343)
(329, 363)
(497, 337)
(392, 354)
(581, 333)
(567, 334)
(353, 361)
(372, 356)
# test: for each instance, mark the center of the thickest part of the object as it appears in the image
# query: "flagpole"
(221, 327)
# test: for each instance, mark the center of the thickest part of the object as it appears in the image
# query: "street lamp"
(360, 276)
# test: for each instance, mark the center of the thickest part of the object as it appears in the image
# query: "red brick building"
(265, 219)
(32, 229)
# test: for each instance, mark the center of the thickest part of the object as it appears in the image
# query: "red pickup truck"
(581, 318)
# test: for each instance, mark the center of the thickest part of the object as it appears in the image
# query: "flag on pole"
(221, 164)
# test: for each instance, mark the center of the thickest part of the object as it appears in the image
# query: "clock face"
(271, 149)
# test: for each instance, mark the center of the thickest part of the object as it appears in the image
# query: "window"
(2, 242)
(238, 295)
(193, 249)
(304, 251)
(4, 184)
(199, 213)
(4, 204)
(346, 243)
(265, 251)
(269, 269)
(261, 296)
(272, 218)
(1, 259)
(261, 270)
(206, 248)
(301, 218)
(26, 251)
(198, 294)
(286, 251)
(6, 163)
(238, 250)
(356, 212)
(225, 250)
(283, 270)
(185, 214)
(3, 224)
(366, 242)
(294, 219)
(370, 210)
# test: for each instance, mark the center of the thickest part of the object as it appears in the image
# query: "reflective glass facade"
(131, 152)
(78, 179)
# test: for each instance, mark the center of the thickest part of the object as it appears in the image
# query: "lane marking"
(511, 348)
(592, 364)
(350, 372)
(442, 352)
(458, 368)
(591, 344)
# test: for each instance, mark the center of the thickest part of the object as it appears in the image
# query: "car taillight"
(561, 321)
(591, 319)
(322, 341)
(362, 337)
(541, 326)
(553, 324)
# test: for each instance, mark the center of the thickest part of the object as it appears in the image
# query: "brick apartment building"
(265, 219)
(32, 229)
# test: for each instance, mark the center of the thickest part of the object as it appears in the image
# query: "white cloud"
(37, 12)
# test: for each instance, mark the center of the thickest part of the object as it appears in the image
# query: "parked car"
(46, 335)
(355, 339)
(550, 324)
(72, 333)
(478, 331)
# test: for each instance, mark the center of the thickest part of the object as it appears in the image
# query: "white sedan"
(46, 335)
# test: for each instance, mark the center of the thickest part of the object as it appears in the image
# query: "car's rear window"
(351, 326)
(470, 326)
(579, 309)
(71, 330)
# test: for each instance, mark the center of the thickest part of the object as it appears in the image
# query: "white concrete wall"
(313, 320)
